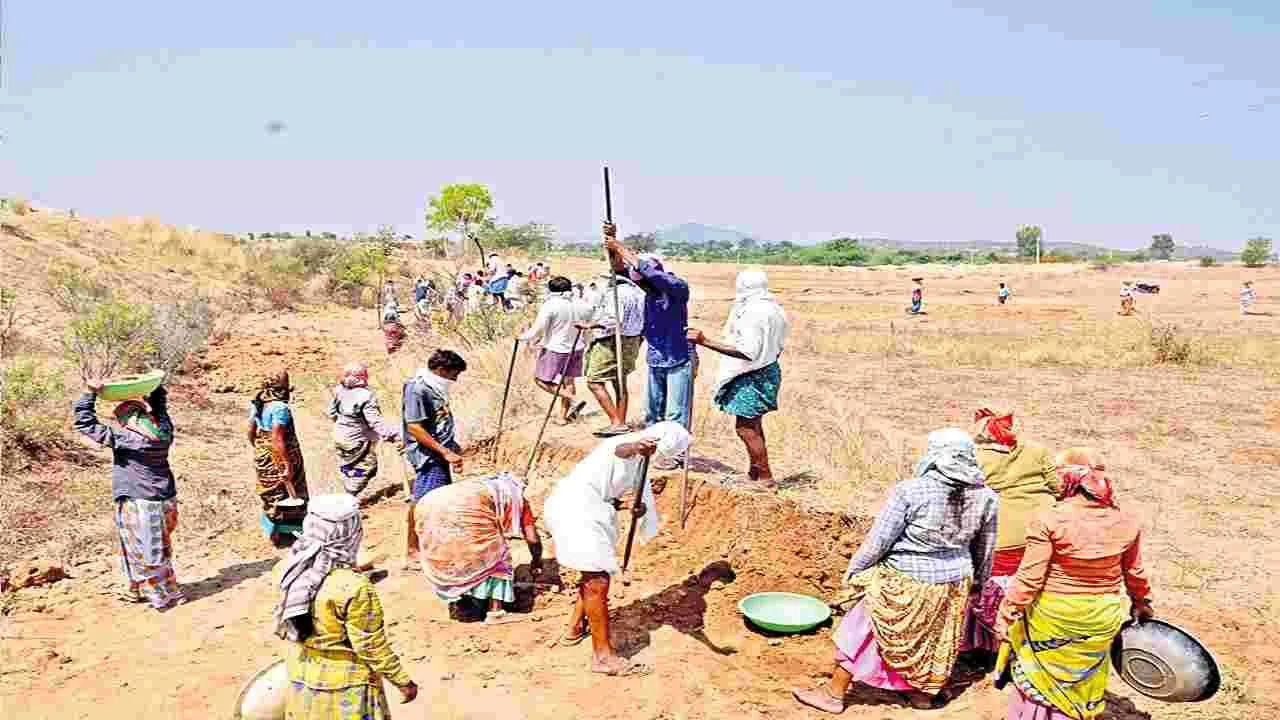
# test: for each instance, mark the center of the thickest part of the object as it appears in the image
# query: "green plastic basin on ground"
(784, 612)
(130, 387)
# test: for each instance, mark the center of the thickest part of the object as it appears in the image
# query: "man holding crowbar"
(617, 326)
(582, 515)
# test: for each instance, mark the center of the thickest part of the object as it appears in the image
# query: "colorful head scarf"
(995, 428)
(331, 535)
(1083, 469)
(355, 375)
(135, 415)
(508, 501)
(951, 459)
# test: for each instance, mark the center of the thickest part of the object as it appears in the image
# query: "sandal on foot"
(130, 596)
(612, 431)
(805, 697)
(575, 410)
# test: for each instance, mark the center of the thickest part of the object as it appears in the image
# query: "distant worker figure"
(1247, 297)
(1126, 298)
(750, 376)
(917, 296)
(358, 426)
(392, 328)
(494, 265)
(560, 360)
(602, 356)
(1002, 296)
(582, 515)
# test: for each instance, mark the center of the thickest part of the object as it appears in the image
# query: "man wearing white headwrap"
(750, 376)
(581, 514)
(334, 616)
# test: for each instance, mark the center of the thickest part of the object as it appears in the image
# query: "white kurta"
(579, 511)
(758, 330)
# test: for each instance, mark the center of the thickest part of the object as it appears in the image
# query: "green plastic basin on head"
(784, 612)
(131, 387)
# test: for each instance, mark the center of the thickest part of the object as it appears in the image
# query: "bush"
(1207, 261)
(315, 253)
(31, 412)
(177, 330)
(8, 320)
(111, 337)
(18, 205)
(73, 288)
(1257, 252)
(354, 270)
(1169, 347)
(277, 274)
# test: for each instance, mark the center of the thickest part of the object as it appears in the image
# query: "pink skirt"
(552, 364)
(980, 631)
(1022, 707)
(858, 653)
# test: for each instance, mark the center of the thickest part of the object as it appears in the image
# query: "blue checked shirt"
(917, 533)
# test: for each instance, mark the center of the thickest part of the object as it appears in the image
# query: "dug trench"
(78, 653)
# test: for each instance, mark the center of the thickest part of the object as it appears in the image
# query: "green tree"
(641, 242)
(1162, 246)
(1257, 252)
(1028, 237)
(461, 208)
(533, 237)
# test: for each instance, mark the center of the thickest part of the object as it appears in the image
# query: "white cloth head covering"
(757, 327)
(951, 459)
(331, 535)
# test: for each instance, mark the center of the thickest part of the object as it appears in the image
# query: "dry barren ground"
(1193, 449)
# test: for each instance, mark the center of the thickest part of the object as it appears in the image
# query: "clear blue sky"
(1104, 122)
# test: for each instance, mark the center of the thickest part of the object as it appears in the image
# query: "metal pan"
(1165, 662)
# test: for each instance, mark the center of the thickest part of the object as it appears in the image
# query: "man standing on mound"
(750, 377)
(582, 514)
(671, 357)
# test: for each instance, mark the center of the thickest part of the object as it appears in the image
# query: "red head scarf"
(355, 375)
(1082, 469)
(998, 427)
(135, 415)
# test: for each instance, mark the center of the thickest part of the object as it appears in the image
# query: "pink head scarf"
(355, 375)
(1083, 469)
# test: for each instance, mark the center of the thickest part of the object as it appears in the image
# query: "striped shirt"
(919, 534)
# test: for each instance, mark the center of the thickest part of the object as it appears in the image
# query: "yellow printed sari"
(1061, 650)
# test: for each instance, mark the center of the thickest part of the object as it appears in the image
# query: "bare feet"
(619, 667)
(819, 698)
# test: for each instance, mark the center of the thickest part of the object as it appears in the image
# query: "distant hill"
(692, 233)
(1197, 251)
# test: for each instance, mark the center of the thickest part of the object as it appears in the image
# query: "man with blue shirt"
(672, 361)
(428, 427)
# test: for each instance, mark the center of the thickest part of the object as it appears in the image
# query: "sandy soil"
(1194, 453)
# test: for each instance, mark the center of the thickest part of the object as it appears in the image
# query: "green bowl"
(784, 612)
(131, 387)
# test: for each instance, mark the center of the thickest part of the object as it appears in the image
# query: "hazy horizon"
(1103, 124)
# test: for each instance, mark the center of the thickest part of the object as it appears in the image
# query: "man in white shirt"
(602, 356)
(494, 265)
(560, 361)
(750, 377)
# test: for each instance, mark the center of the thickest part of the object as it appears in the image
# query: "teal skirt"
(752, 394)
(491, 588)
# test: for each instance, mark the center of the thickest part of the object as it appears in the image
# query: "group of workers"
(991, 558)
